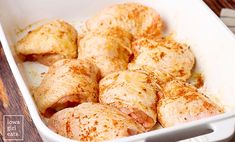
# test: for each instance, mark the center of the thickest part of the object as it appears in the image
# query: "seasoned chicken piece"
(176, 88)
(68, 83)
(110, 49)
(49, 43)
(180, 102)
(165, 58)
(93, 122)
(144, 44)
(132, 92)
(135, 18)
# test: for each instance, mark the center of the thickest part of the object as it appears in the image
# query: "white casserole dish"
(191, 21)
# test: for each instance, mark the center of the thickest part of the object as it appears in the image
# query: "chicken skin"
(68, 83)
(93, 122)
(49, 43)
(135, 18)
(165, 58)
(109, 49)
(132, 92)
(180, 102)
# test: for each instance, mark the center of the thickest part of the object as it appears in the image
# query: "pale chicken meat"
(135, 18)
(49, 43)
(145, 44)
(68, 83)
(118, 77)
(109, 49)
(93, 122)
(180, 102)
(132, 92)
(165, 58)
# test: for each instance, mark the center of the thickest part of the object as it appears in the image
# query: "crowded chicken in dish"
(119, 77)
